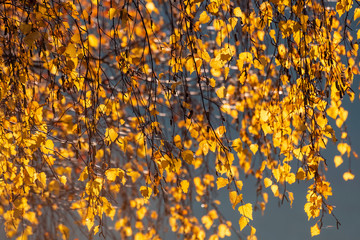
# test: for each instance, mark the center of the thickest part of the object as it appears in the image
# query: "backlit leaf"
(338, 161)
(243, 222)
(145, 192)
(184, 185)
(188, 156)
(221, 182)
(348, 176)
(315, 230)
(267, 182)
(246, 210)
(221, 92)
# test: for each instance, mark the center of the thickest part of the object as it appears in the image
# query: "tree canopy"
(122, 117)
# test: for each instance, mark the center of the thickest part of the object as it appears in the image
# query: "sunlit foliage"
(119, 118)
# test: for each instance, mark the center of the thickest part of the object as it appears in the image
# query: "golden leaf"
(112, 173)
(49, 146)
(357, 13)
(64, 231)
(111, 135)
(221, 92)
(84, 175)
(145, 192)
(237, 145)
(184, 185)
(342, 147)
(243, 221)
(188, 156)
(264, 115)
(332, 112)
(234, 198)
(63, 180)
(338, 161)
(315, 230)
(204, 18)
(291, 198)
(254, 148)
(112, 13)
(93, 41)
(246, 210)
(221, 182)
(238, 12)
(348, 176)
(267, 182)
(223, 231)
(253, 230)
(300, 175)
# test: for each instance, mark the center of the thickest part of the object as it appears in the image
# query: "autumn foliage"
(118, 117)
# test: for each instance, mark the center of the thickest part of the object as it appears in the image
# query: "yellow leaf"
(234, 198)
(189, 65)
(254, 148)
(342, 147)
(184, 185)
(221, 182)
(266, 128)
(223, 231)
(332, 112)
(64, 231)
(315, 230)
(291, 198)
(84, 175)
(243, 221)
(357, 13)
(111, 135)
(96, 229)
(348, 176)
(133, 174)
(207, 221)
(221, 92)
(220, 131)
(63, 180)
(267, 182)
(213, 82)
(246, 210)
(112, 12)
(49, 146)
(275, 190)
(253, 230)
(343, 114)
(237, 145)
(238, 12)
(112, 173)
(71, 50)
(290, 178)
(300, 175)
(188, 156)
(93, 41)
(145, 192)
(239, 184)
(204, 18)
(141, 212)
(272, 34)
(94, 186)
(264, 115)
(338, 161)
(151, 7)
(140, 236)
(227, 69)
